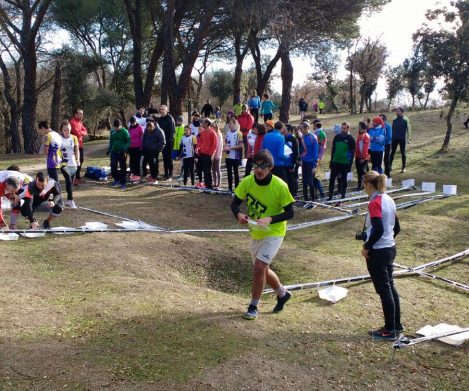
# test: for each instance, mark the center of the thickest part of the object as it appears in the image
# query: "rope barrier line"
(406, 342)
(365, 277)
(433, 277)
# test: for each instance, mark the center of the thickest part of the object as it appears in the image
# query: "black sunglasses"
(262, 166)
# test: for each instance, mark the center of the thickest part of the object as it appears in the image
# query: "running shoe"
(123, 187)
(383, 335)
(281, 302)
(72, 204)
(150, 179)
(46, 224)
(403, 171)
(251, 313)
(115, 184)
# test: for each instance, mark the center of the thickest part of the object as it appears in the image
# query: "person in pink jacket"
(78, 130)
(362, 155)
(135, 149)
(216, 165)
(246, 121)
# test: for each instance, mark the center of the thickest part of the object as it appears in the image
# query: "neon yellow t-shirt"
(265, 201)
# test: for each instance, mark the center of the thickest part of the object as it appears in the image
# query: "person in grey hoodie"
(152, 144)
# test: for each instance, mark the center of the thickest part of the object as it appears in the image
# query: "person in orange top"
(78, 130)
(362, 156)
(206, 147)
(245, 120)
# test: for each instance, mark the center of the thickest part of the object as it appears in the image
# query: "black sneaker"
(399, 328)
(46, 224)
(383, 335)
(281, 302)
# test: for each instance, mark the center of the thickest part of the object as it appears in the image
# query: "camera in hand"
(360, 235)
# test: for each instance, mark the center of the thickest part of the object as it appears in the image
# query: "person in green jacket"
(178, 135)
(118, 145)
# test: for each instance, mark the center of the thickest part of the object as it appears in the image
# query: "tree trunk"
(449, 125)
(362, 98)
(287, 81)
(352, 97)
(30, 136)
(240, 55)
(426, 101)
(56, 98)
(13, 106)
(413, 102)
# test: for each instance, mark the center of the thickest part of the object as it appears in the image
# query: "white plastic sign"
(327, 175)
(333, 293)
(350, 177)
(388, 182)
(429, 186)
(450, 189)
(408, 183)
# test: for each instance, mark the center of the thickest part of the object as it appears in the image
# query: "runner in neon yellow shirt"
(269, 206)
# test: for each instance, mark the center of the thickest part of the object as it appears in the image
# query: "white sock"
(281, 291)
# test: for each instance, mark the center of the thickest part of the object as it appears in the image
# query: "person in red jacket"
(245, 121)
(78, 130)
(362, 155)
(260, 137)
(206, 147)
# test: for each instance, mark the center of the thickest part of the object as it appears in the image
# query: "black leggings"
(205, 162)
(379, 264)
(376, 161)
(150, 157)
(248, 168)
(119, 159)
(232, 166)
(78, 175)
(362, 167)
(395, 142)
(168, 159)
(188, 169)
(68, 181)
(134, 160)
(387, 160)
(336, 170)
(309, 172)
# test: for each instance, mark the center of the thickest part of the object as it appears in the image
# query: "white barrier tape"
(359, 197)
(190, 188)
(434, 277)
(406, 342)
(406, 271)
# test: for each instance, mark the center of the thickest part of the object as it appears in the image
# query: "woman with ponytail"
(379, 250)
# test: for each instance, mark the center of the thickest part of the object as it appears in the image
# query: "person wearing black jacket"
(207, 110)
(41, 194)
(153, 143)
(292, 142)
(166, 123)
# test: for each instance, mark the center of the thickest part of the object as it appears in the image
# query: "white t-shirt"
(233, 138)
(188, 144)
(68, 150)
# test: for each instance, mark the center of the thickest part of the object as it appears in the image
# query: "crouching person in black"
(42, 194)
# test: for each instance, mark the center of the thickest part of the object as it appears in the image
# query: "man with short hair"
(166, 123)
(275, 143)
(343, 149)
(42, 194)
(78, 130)
(401, 133)
(206, 147)
(269, 206)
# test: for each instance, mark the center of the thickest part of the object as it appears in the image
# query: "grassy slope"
(163, 311)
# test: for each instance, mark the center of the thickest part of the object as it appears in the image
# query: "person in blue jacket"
(254, 103)
(377, 140)
(309, 160)
(275, 143)
(387, 146)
